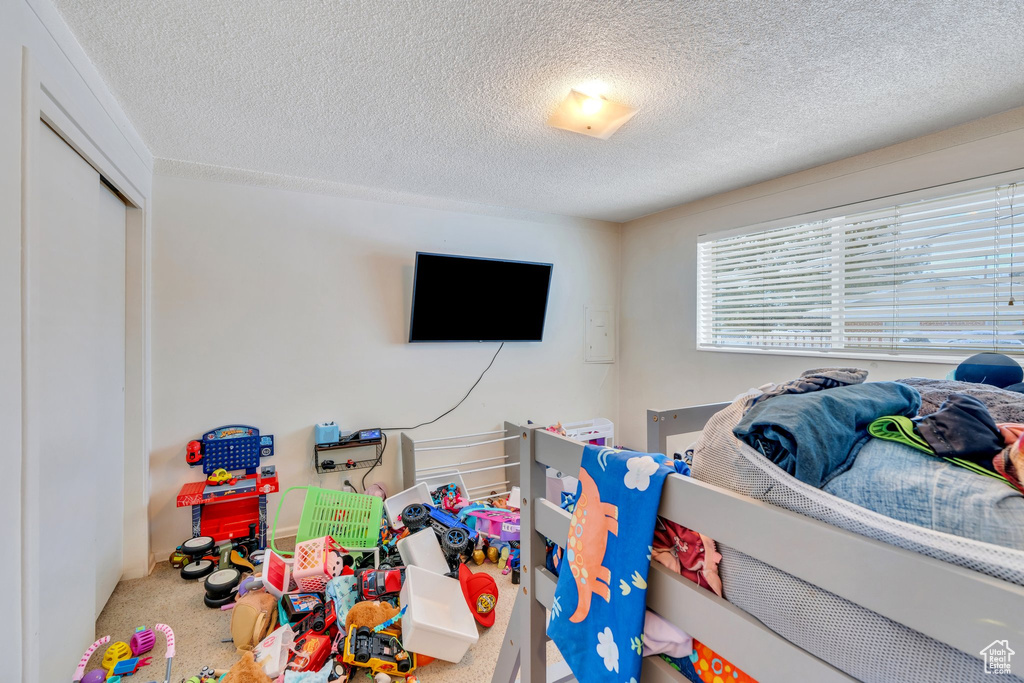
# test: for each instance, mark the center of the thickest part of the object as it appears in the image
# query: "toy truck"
(378, 651)
(456, 538)
(379, 584)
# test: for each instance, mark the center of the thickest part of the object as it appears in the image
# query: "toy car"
(221, 476)
(392, 560)
(456, 537)
(377, 651)
(377, 584)
(179, 559)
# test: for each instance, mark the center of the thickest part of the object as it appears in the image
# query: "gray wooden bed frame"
(959, 607)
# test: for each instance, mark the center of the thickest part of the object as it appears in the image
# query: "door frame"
(45, 98)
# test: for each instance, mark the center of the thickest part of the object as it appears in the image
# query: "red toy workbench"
(225, 510)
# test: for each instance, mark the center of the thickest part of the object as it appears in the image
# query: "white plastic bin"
(438, 622)
(421, 549)
(394, 505)
(556, 483)
(599, 430)
(442, 478)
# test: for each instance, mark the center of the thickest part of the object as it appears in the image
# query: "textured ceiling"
(449, 98)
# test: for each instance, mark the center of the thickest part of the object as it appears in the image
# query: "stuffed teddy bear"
(372, 614)
(246, 670)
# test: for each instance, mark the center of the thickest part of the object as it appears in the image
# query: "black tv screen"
(463, 298)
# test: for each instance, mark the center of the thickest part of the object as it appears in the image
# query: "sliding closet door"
(74, 387)
(110, 357)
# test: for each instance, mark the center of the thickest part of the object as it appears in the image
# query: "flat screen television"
(464, 298)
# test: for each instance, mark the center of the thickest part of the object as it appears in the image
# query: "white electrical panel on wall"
(599, 335)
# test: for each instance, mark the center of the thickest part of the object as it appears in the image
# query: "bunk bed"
(959, 610)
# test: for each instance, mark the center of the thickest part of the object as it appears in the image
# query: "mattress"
(858, 641)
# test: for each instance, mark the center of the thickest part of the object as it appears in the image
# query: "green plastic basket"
(352, 519)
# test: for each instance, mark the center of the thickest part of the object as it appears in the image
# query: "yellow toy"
(220, 476)
(379, 652)
(117, 652)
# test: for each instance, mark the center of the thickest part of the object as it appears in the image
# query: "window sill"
(811, 353)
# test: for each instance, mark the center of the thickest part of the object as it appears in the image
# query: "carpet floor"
(165, 597)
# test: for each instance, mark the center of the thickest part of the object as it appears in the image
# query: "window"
(924, 276)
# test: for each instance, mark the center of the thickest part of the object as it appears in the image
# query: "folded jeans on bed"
(902, 483)
(816, 436)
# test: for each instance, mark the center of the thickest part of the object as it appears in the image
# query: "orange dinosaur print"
(591, 523)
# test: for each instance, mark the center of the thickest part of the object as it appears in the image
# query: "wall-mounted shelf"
(345, 462)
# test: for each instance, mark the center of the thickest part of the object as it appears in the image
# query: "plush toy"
(371, 614)
(557, 428)
(253, 617)
(245, 670)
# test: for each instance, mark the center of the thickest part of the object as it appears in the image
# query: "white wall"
(37, 50)
(661, 367)
(281, 309)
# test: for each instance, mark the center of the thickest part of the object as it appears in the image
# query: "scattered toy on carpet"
(372, 614)
(246, 670)
(254, 616)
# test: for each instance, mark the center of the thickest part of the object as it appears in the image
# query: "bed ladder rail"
(523, 654)
(951, 604)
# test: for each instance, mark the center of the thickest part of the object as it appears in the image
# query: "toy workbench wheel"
(197, 570)
(455, 542)
(216, 603)
(198, 546)
(221, 582)
(415, 516)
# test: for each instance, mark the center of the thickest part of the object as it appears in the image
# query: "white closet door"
(110, 355)
(74, 372)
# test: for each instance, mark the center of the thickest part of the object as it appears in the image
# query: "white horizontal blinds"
(934, 275)
(768, 289)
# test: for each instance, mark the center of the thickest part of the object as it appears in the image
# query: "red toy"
(377, 584)
(224, 510)
(311, 651)
(194, 453)
(321, 620)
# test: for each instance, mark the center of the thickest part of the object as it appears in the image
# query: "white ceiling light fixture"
(591, 115)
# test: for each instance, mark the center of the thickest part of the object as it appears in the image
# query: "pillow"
(990, 368)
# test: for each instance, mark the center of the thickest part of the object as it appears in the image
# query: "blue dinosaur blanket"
(597, 618)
